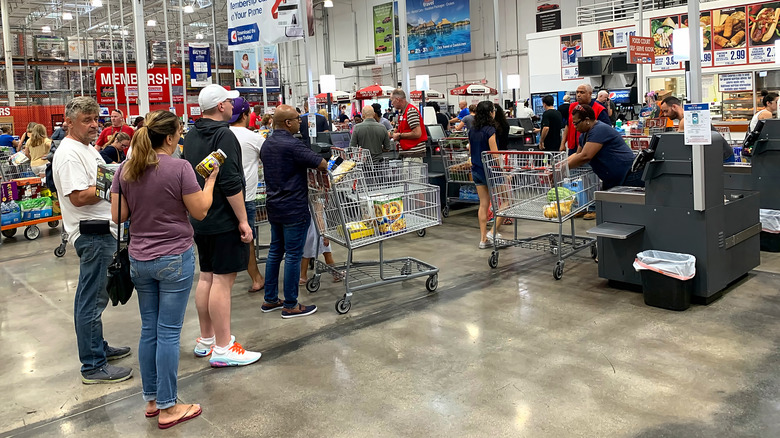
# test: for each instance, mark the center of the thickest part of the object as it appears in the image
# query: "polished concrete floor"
(505, 352)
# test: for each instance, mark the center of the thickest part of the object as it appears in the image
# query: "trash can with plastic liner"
(770, 230)
(666, 278)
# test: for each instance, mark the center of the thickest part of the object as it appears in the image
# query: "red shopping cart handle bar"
(519, 152)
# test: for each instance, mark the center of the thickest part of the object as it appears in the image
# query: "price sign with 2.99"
(730, 57)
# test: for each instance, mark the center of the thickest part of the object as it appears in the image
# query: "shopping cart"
(539, 186)
(457, 171)
(366, 207)
(29, 186)
(261, 218)
(361, 157)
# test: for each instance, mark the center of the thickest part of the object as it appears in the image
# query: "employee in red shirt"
(117, 125)
(584, 97)
(410, 132)
(254, 118)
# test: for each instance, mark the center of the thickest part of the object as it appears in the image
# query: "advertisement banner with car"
(383, 29)
(436, 28)
(548, 15)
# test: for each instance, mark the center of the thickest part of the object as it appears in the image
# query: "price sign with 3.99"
(665, 62)
(730, 57)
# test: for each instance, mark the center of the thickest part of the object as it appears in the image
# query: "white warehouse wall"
(351, 17)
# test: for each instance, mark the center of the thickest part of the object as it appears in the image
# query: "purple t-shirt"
(159, 225)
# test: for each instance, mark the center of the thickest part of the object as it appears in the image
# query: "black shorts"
(223, 253)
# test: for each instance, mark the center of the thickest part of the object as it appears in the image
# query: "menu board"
(763, 32)
(705, 22)
(729, 41)
(661, 29)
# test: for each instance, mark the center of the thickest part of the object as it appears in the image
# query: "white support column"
(403, 37)
(307, 50)
(113, 65)
(124, 54)
(140, 56)
(185, 116)
(499, 70)
(80, 47)
(695, 97)
(168, 49)
(9, 66)
(262, 77)
(640, 68)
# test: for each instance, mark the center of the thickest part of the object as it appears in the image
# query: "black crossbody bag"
(119, 285)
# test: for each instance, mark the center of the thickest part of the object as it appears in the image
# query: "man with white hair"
(606, 102)
(370, 135)
(570, 134)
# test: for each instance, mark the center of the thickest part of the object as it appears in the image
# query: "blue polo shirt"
(612, 163)
(285, 163)
(463, 113)
(6, 140)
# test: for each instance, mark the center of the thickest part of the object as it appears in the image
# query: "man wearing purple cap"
(251, 143)
(223, 235)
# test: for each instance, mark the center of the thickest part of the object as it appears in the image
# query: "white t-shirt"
(251, 143)
(525, 113)
(754, 121)
(75, 168)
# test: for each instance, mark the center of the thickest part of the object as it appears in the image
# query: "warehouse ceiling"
(31, 16)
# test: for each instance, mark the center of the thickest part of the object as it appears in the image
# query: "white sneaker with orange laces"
(235, 356)
(203, 349)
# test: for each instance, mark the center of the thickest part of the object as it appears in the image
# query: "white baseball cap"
(212, 95)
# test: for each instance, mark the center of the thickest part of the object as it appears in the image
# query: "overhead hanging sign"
(200, 65)
(383, 29)
(697, 123)
(245, 68)
(571, 52)
(548, 15)
(127, 85)
(266, 22)
(436, 28)
(641, 50)
(271, 58)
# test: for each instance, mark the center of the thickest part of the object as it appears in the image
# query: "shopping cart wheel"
(9, 233)
(594, 252)
(53, 224)
(343, 306)
(421, 233)
(32, 232)
(313, 285)
(558, 271)
(59, 251)
(445, 212)
(432, 283)
(493, 260)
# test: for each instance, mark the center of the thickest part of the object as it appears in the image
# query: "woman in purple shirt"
(157, 193)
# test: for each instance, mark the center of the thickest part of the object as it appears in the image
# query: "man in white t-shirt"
(251, 143)
(87, 221)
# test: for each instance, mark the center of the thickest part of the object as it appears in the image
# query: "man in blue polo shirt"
(464, 111)
(320, 120)
(286, 161)
(6, 139)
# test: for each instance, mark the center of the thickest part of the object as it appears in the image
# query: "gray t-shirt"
(469, 121)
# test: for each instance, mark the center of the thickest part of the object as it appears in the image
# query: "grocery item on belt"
(205, 167)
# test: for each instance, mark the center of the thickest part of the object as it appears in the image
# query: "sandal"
(187, 416)
(152, 414)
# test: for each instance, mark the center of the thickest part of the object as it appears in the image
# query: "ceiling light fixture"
(189, 9)
(46, 29)
(151, 23)
(199, 36)
(67, 16)
(328, 3)
(97, 3)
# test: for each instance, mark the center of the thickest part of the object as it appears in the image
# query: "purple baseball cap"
(240, 106)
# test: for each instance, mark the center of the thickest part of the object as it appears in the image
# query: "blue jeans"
(163, 286)
(95, 254)
(287, 241)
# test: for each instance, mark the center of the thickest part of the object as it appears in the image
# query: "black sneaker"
(106, 374)
(298, 310)
(114, 353)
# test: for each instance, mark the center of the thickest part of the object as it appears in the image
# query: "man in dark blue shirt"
(6, 139)
(604, 149)
(320, 121)
(286, 161)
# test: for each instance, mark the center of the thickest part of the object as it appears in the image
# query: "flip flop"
(182, 419)
(152, 414)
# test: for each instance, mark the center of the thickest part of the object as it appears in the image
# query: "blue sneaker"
(235, 356)
(299, 310)
(114, 353)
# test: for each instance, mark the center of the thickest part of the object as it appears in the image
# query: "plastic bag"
(770, 220)
(671, 264)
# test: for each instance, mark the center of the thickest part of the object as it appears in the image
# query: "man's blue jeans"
(163, 286)
(287, 241)
(95, 254)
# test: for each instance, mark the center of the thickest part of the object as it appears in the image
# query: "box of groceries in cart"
(389, 212)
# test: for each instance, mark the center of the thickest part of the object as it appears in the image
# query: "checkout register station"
(722, 233)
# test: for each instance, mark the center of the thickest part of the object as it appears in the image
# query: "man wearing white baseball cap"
(223, 235)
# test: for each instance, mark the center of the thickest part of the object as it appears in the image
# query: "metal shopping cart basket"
(457, 171)
(261, 218)
(361, 157)
(539, 186)
(366, 207)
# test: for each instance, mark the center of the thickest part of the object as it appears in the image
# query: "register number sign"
(641, 50)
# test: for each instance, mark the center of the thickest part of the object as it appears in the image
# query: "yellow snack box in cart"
(390, 215)
(357, 230)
